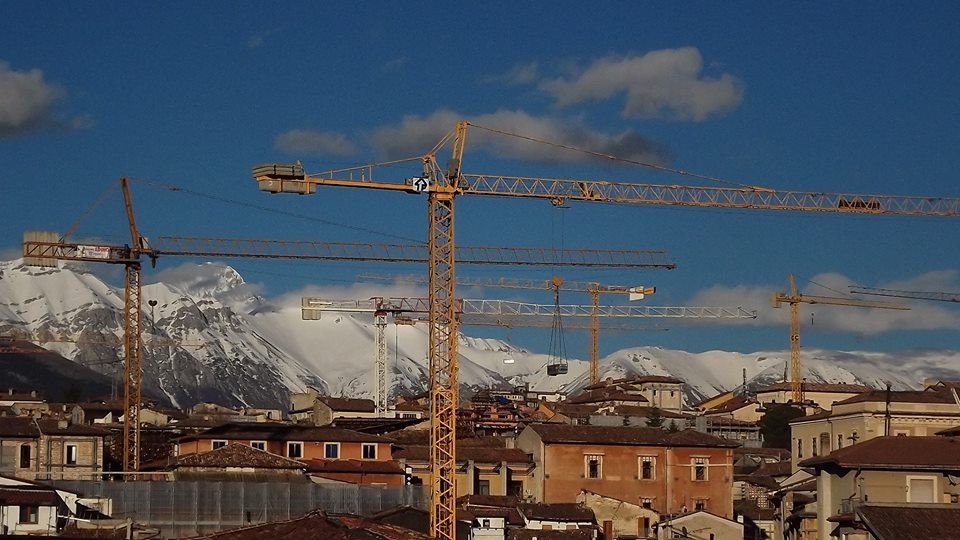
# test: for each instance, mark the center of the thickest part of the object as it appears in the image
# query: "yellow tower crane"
(556, 283)
(46, 249)
(794, 299)
(443, 185)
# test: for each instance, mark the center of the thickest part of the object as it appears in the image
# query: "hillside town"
(621, 459)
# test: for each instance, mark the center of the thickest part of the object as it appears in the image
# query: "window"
(29, 513)
(295, 450)
(483, 487)
(70, 454)
(331, 450)
(839, 441)
(486, 524)
(369, 450)
(813, 445)
(921, 489)
(593, 464)
(699, 467)
(799, 448)
(259, 445)
(219, 444)
(699, 505)
(825, 443)
(24, 456)
(646, 503)
(646, 467)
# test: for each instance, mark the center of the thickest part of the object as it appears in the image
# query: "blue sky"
(806, 96)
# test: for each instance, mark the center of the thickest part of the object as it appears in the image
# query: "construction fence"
(188, 508)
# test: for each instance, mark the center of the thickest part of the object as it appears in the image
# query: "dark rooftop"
(348, 404)
(816, 387)
(320, 466)
(622, 435)
(556, 512)
(896, 522)
(902, 396)
(319, 526)
(231, 455)
(924, 453)
(28, 495)
(28, 427)
(271, 431)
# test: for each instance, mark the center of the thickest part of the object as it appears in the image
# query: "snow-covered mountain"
(255, 351)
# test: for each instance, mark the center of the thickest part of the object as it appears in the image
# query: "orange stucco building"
(332, 453)
(654, 468)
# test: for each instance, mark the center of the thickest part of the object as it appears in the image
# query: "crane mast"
(442, 188)
(794, 299)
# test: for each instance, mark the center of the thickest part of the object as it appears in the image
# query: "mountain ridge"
(256, 351)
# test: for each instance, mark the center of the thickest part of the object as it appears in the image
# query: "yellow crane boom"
(443, 185)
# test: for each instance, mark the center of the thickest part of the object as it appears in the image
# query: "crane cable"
(611, 157)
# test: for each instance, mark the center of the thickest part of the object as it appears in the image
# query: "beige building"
(741, 408)
(623, 519)
(699, 524)
(646, 390)
(907, 470)
(320, 410)
(481, 470)
(41, 449)
(822, 395)
(868, 415)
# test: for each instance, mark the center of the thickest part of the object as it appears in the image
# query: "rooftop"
(28, 495)
(817, 387)
(902, 396)
(898, 453)
(319, 526)
(623, 435)
(556, 512)
(28, 427)
(271, 431)
(927, 521)
(733, 404)
(601, 395)
(231, 455)
(357, 466)
(341, 404)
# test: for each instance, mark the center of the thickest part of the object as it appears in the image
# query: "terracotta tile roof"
(27, 427)
(815, 416)
(897, 453)
(817, 387)
(357, 466)
(902, 396)
(467, 453)
(231, 455)
(29, 494)
(601, 395)
(733, 404)
(782, 468)
(896, 522)
(556, 512)
(271, 431)
(319, 526)
(623, 435)
(377, 426)
(572, 410)
(646, 412)
(949, 432)
(348, 404)
(700, 403)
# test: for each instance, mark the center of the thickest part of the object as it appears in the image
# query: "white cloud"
(520, 74)
(868, 321)
(299, 141)
(663, 83)
(27, 103)
(415, 134)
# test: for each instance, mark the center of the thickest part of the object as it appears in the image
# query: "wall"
(705, 525)
(564, 474)
(48, 459)
(311, 449)
(626, 517)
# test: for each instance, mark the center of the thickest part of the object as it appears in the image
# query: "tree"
(672, 428)
(655, 419)
(775, 425)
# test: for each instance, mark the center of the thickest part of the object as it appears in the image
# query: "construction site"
(513, 324)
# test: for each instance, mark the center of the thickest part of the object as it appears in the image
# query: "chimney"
(33, 393)
(62, 424)
(9, 391)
